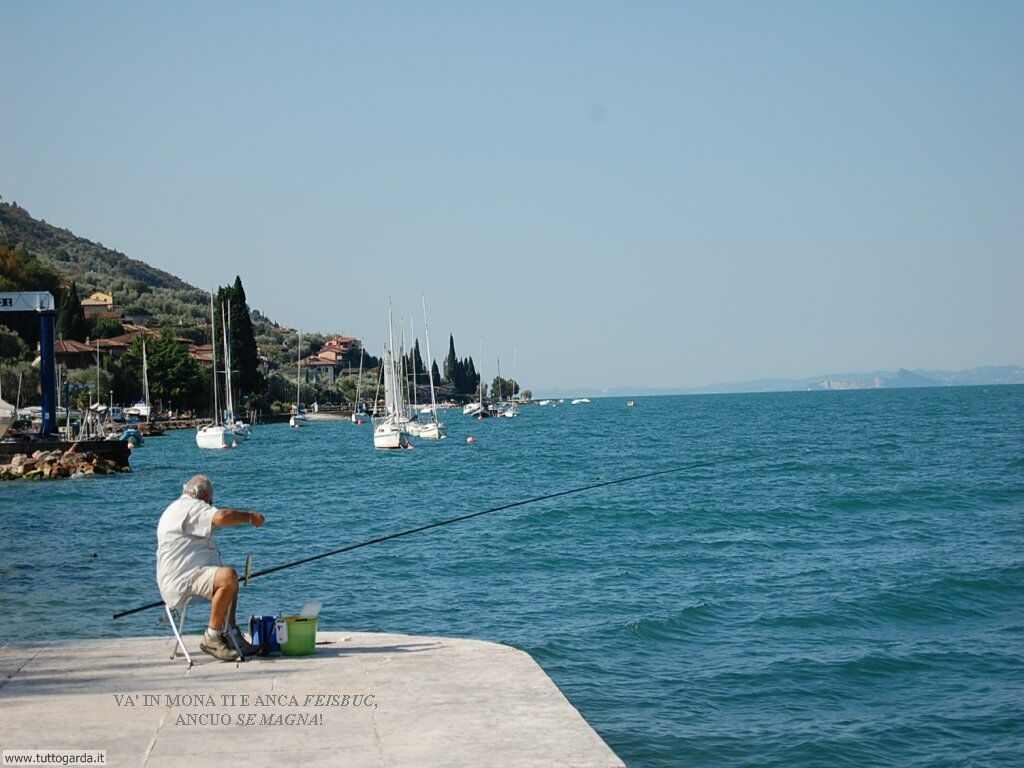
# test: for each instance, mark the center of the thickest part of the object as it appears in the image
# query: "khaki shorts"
(202, 582)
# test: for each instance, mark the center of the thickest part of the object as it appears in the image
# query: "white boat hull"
(472, 409)
(388, 436)
(215, 438)
(428, 431)
(241, 431)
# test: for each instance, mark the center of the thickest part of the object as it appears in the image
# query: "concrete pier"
(362, 700)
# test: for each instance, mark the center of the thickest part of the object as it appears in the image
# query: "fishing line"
(453, 520)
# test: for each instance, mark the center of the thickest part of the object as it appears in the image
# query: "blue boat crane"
(40, 302)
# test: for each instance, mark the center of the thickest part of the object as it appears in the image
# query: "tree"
(243, 348)
(434, 373)
(245, 361)
(106, 328)
(71, 322)
(21, 271)
(502, 387)
(174, 377)
(83, 383)
(11, 345)
(451, 363)
(470, 378)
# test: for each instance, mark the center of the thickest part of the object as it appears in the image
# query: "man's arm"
(226, 517)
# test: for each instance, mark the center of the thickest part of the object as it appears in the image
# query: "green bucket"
(297, 635)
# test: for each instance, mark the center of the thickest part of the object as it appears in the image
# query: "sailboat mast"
(298, 374)
(403, 393)
(391, 409)
(412, 352)
(359, 381)
(430, 372)
(213, 345)
(145, 377)
(228, 399)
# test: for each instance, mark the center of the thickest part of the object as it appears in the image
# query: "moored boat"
(215, 436)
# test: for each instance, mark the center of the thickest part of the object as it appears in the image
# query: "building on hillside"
(141, 317)
(334, 349)
(74, 354)
(100, 304)
(115, 346)
(132, 329)
(317, 369)
(327, 364)
(202, 354)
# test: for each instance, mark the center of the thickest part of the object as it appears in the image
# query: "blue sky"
(628, 194)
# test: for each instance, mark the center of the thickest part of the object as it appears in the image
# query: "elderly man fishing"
(188, 563)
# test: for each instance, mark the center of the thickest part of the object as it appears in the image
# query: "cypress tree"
(244, 354)
(451, 364)
(70, 315)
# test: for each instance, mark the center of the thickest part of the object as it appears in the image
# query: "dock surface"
(412, 701)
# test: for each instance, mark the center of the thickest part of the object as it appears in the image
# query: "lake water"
(844, 586)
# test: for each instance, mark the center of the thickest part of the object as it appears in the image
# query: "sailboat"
(215, 436)
(433, 429)
(477, 409)
(358, 412)
(298, 417)
(141, 409)
(388, 432)
(240, 428)
(507, 410)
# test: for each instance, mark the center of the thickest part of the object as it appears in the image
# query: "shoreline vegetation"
(108, 305)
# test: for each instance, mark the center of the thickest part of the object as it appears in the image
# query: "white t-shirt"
(184, 543)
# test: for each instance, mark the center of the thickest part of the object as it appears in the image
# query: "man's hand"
(256, 519)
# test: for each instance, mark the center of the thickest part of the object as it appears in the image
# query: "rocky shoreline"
(58, 464)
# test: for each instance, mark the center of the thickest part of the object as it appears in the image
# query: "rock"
(18, 460)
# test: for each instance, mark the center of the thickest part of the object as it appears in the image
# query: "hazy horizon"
(676, 196)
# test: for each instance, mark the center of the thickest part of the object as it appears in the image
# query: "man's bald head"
(199, 487)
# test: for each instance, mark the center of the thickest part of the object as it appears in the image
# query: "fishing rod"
(452, 521)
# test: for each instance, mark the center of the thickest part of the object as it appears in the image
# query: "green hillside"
(136, 285)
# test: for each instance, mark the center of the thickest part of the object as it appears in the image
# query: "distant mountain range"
(900, 379)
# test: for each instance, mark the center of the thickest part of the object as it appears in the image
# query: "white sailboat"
(506, 409)
(238, 427)
(298, 417)
(388, 432)
(214, 436)
(477, 409)
(142, 409)
(433, 429)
